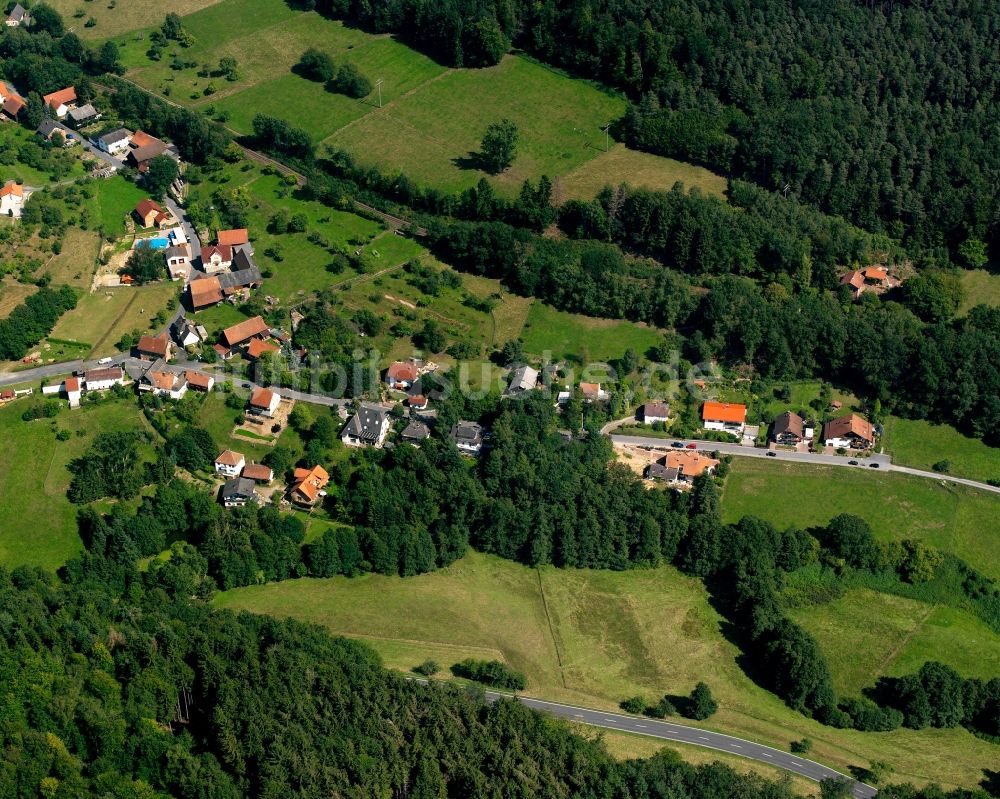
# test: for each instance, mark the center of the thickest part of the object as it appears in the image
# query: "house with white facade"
(730, 417)
(368, 427)
(230, 463)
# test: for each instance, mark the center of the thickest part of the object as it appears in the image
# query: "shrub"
(428, 668)
(635, 704)
(802, 746)
(490, 672)
(350, 81)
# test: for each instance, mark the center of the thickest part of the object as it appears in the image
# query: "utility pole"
(378, 85)
(606, 129)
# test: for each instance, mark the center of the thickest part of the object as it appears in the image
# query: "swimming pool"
(156, 244)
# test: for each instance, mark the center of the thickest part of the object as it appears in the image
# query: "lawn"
(585, 338)
(641, 170)
(218, 318)
(11, 138)
(39, 526)
(921, 444)
(979, 286)
(115, 19)
(433, 134)
(13, 294)
(952, 518)
(897, 636)
(102, 318)
(114, 200)
(593, 638)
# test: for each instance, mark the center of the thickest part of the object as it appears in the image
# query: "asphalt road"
(681, 733)
(884, 462)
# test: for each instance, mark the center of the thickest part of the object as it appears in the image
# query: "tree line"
(33, 320)
(874, 112)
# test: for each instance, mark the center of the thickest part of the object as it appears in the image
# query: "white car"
(104, 361)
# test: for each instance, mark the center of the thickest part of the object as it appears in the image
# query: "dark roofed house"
(789, 428)
(415, 432)
(46, 128)
(238, 491)
(367, 427)
(83, 115)
(18, 16)
(115, 141)
(657, 471)
(849, 432)
(653, 412)
(468, 437)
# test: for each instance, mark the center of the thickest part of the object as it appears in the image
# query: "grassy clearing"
(596, 638)
(584, 337)
(13, 294)
(433, 134)
(897, 636)
(921, 444)
(100, 319)
(11, 139)
(74, 266)
(113, 20)
(642, 170)
(980, 287)
(39, 522)
(952, 518)
(115, 199)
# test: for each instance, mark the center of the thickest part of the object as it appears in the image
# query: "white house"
(849, 432)
(468, 437)
(18, 16)
(730, 417)
(73, 391)
(366, 428)
(653, 412)
(216, 258)
(12, 199)
(162, 382)
(179, 261)
(103, 379)
(522, 379)
(61, 101)
(115, 142)
(230, 463)
(402, 375)
(264, 402)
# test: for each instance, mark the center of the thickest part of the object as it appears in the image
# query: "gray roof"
(239, 278)
(788, 422)
(469, 433)
(366, 424)
(83, 112)
(116, 135)
(415, 431)
(655, 409)
(18, 13)
(523, 378)
(238, 488)
(47, 126)
(177, 252)
(657, 471)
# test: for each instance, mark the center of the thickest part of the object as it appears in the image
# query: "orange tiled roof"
(724, 412)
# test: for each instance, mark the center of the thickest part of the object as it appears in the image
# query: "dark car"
(772, 454)
(873, 466)
(852, 463)
(692, 445)
(677, 444)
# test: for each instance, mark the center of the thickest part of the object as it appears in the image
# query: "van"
(105, 361)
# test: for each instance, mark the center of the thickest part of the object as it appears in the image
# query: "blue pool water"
(156, 244)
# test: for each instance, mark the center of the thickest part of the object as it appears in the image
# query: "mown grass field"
(594, 638)
(74, 266)
(952, 518)
(583, 337)
(980, 286)
(100, 319)
(116, 19)
(921, 444)
(641, 170)
(897, 635)
(39, 522)
(13, 294)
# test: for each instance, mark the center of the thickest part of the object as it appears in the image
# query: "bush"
(943, 466)
(490, 672)
(635, 704)
(428, 668)
(802, 746)
(350, 81)
(701, 704)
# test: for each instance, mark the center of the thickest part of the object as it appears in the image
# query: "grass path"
(896, 650)
(394, 101)
(113, 325)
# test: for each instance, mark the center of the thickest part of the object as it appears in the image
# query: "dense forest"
(883, 113)
(32, 320)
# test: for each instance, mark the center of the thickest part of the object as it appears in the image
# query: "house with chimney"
(849, 432)
(307, 487)
(367, 427)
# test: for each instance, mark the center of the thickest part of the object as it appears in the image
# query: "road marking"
(611, 721)
(766, 754)
(641, 725)
(736, 746)
(702, 737)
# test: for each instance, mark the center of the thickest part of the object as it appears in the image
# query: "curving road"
(681, 733)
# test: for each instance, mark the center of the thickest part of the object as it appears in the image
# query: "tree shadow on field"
(472, 161)
(990, 782)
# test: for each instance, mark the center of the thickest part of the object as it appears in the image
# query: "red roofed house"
(244, 331)
(264, 402)
(205, 291)
(258, 472)
(73, 391)
(730, 417)
(199, 381)
(60, 101)
(149, 213)
(592, 392)
(402, 374)
(855, 281)
(216, 258)
(258, 347)
(11, 199)
(153, 347)
(233, 238)
(849, 432)
(876, 276)
(307, 486)
(230, 463)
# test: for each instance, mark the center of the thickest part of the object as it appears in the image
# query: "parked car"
(692, 445)
(677, 444)
(772, 454)
(852, 463)
(873, 466)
